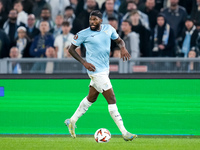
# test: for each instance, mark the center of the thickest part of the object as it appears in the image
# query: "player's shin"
(82, 108)
(113, 110)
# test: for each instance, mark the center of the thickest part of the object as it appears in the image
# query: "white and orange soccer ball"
(102, 135)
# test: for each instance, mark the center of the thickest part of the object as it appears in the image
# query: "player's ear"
(101, 20)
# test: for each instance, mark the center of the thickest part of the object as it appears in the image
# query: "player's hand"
(89, 66)
(125, 55)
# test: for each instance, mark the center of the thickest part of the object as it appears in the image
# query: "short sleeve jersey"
(97, 44)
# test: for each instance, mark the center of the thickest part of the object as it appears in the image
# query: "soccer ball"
(102, 135)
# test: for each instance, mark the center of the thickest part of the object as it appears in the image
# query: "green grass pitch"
(86, 142)
(32, 114)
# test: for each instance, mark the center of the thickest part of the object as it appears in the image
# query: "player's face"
(95, 23)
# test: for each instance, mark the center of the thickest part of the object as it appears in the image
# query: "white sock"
(113, 110)
(82, 108)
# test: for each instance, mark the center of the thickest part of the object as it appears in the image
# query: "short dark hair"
(112, 18)
(17, 1)
(128, 21)
(69, 8)
(66, 23)
(132, 2)
(45, 8)
(96, 13)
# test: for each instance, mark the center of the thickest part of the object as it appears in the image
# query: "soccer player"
(96, 39)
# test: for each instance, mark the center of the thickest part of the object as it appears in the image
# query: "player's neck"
(99, 28)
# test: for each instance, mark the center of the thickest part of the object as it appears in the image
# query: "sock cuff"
(86, 102)
(112, 107)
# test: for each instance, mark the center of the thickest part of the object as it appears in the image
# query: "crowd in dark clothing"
(164, 28)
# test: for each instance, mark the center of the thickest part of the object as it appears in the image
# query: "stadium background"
(148, 106)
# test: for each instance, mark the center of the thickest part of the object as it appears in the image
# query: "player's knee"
(111, 99)
(92, 99)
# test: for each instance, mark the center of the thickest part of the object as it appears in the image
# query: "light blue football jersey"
(97, 44)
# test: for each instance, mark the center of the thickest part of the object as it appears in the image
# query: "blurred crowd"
(150, 28)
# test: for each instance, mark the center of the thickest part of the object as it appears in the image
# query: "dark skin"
(109, 95)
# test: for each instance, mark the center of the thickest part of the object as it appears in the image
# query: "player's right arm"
(72, 51)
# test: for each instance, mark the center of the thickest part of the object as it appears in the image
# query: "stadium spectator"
(195, 14)
(38, 7)
(190, 66)
(22, 15)
(131, 6)
(45, 16)
(50, 53)
(14, 53)
(144, 34)
(40, 45)
(110, 12)
(114, 23)
(175, 16)
(163, 39)
(63, 41)
(117, 4)
(28, 5)
(69, 15)
(5, 44)
(57, 30)
(188, 38)
(58, 7)
(32, 31)
(148, 9)
(42, 41)
(131, 39)
(10, 26)
(193, 66)
(3, 14)
(124, 3)
(22, 42)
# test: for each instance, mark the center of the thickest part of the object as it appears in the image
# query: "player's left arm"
(124, 53)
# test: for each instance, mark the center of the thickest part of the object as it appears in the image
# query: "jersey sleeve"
(78, 39)
(114, 34)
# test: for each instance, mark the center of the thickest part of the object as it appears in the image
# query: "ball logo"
(75, 37)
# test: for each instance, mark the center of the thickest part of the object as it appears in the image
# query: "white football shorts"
(100, 81)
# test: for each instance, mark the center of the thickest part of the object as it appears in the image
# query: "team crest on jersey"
(106, 31)
(75, 37)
